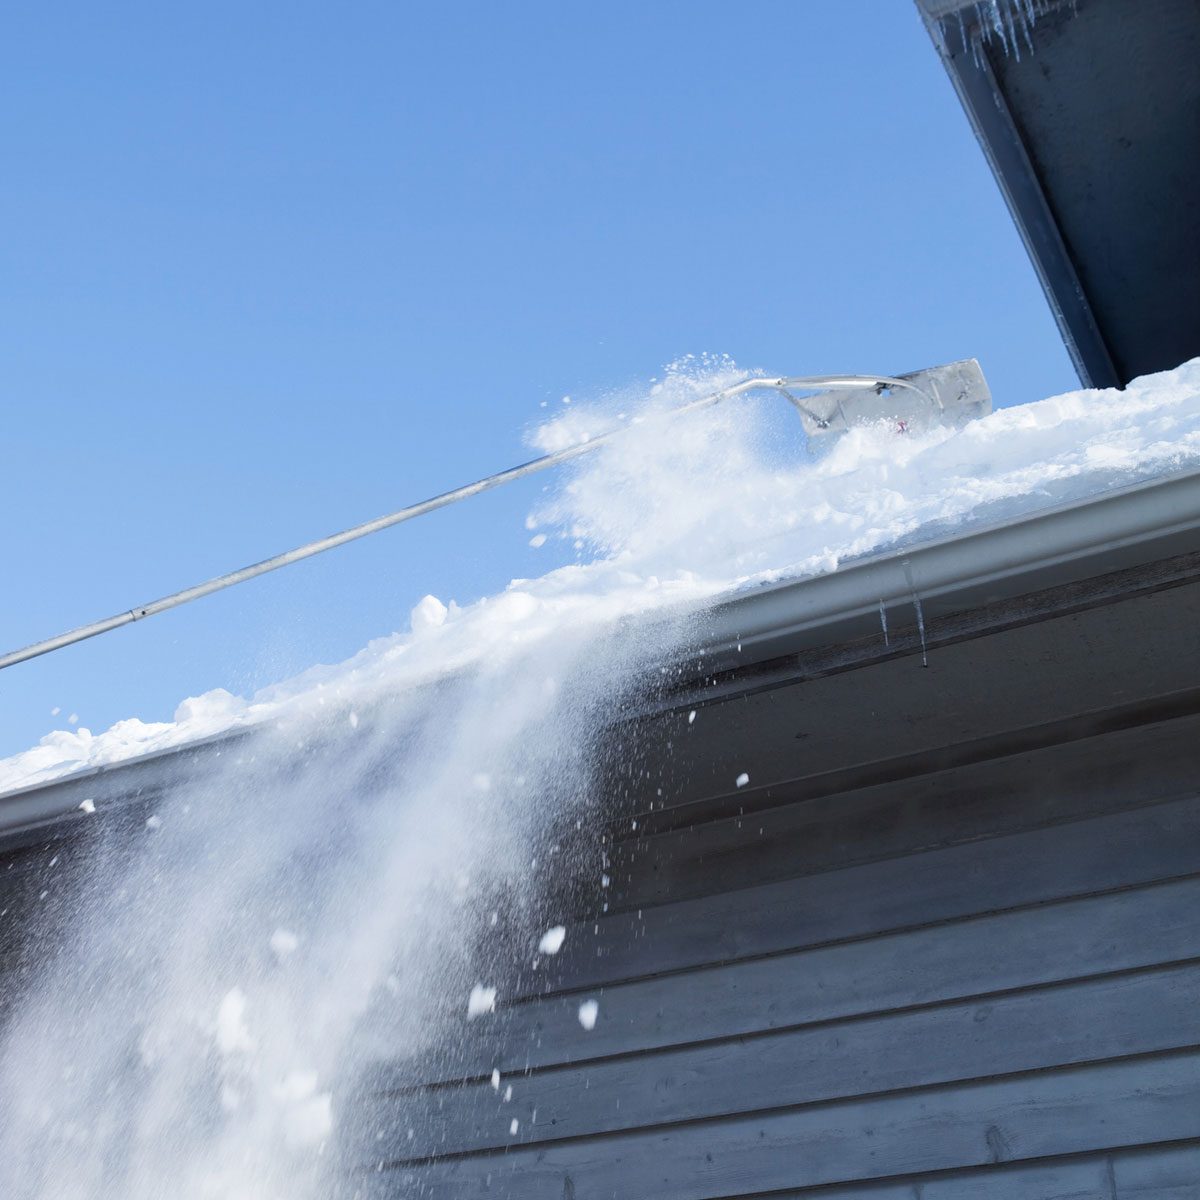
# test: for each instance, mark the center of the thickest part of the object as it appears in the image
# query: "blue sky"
(274, 269)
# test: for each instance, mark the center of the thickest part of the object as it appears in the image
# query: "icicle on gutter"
(921, 628)
(920, 611)
(1010, 22)
(883, 623)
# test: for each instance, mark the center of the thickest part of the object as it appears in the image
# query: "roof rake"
(949, 395)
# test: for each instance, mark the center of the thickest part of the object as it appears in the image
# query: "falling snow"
(481, 1000)
(552, 940)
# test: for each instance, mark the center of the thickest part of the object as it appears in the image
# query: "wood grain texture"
(1074, 938)
(1107, 852)
(1159, 1171)
(1171, 1173)
(1072, 1111)
(1131, 1014)
(1111, 772)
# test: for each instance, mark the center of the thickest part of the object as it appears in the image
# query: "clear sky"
(272, 269)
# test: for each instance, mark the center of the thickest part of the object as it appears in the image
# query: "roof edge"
(1127, 527)
(987, 564)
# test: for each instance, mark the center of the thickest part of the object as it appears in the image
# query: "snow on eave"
(1126, 527)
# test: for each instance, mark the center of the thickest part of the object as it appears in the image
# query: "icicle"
(1009, 22)
(883, 623)
(921, 628)
(1028, 17)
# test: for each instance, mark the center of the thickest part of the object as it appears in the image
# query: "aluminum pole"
(83, 632)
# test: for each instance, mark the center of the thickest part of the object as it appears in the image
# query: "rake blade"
(948, 395)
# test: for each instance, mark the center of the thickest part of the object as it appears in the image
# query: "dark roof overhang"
(1089, 115)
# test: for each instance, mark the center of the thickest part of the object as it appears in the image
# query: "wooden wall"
(963, 963)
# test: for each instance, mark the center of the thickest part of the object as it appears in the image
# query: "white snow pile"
(678, 512)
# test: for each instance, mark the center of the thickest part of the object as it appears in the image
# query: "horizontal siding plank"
(1096, 1177)
(1074, 1111)
(1036, 675)
(1073, 1179)
(1171, 1173)
(1064, 941)
(1107, 773)
(1158, 1173)
(1131, 1014)
(1108, 852)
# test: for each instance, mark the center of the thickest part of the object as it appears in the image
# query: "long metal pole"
(83, 632)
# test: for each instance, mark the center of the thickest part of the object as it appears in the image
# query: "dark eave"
(1090, 119)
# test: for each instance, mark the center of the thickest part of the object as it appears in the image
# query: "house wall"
(943, 944)
(950, 948)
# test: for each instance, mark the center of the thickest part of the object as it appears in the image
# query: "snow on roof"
(665, 523)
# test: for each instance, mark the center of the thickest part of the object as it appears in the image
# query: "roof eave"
(985, 565)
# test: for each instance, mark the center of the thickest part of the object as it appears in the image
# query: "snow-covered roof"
(756, 560)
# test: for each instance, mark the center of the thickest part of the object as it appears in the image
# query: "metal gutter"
(1140, 524)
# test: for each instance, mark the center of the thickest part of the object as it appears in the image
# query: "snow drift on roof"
(717, 502)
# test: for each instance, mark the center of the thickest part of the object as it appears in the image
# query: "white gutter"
(1123, 528)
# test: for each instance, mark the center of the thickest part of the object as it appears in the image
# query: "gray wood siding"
(1026, 948)
(946, 946)
(983, 982)
(996, 1034)
(1047, 1113)
(1032, 867)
